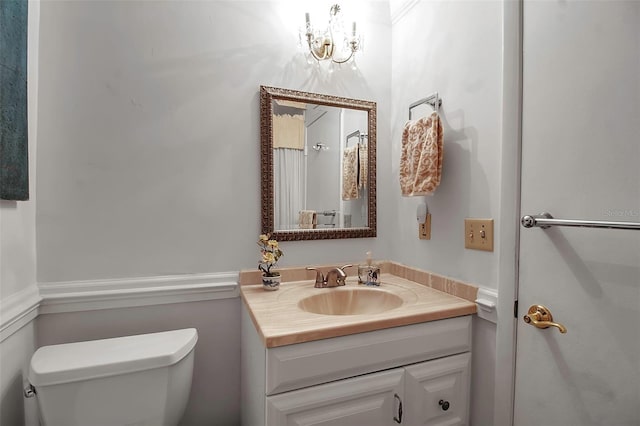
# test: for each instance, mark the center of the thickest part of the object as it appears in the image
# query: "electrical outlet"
(424, 229)
(478, 234)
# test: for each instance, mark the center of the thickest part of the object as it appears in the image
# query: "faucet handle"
(345, 266)
(320, 282)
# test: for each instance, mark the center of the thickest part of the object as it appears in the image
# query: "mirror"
(318, 163)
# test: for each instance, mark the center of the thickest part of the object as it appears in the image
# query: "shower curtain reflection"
(289, 187)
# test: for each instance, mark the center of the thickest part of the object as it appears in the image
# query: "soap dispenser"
(369, 274)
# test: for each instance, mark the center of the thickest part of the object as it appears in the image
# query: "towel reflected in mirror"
(307, 219)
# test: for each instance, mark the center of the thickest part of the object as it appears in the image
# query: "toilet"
(133, 380)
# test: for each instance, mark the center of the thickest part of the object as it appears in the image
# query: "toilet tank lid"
(71, 362)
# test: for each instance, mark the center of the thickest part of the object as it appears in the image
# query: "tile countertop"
(281, 322)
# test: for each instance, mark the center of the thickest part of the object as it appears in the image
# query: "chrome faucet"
(335, 277)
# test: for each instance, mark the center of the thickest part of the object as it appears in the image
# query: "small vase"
(271, 283)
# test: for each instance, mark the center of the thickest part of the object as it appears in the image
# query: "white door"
(581, 160)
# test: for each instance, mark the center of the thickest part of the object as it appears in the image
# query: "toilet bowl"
(140, 380)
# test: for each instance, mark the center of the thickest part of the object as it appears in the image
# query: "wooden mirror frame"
(267, 96)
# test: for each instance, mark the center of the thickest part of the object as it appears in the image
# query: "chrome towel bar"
(545, 220)
(434, 100)
(360, 136)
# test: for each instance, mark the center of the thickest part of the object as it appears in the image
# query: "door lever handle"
(541, 317)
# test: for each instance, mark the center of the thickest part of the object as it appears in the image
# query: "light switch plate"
(478, 234)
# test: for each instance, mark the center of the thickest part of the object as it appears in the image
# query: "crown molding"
(399, 8)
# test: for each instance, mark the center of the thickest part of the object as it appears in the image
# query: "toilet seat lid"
(71, 362)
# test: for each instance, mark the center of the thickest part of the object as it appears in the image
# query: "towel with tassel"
(307, 219)
(350, 171)
(421, 157)
(363, 158)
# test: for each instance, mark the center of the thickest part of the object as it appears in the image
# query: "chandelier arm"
(343, 61)
(354, 49)
(313, 53)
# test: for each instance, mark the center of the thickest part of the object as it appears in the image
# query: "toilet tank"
(132, 380)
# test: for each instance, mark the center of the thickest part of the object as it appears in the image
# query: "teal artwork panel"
(14, 154)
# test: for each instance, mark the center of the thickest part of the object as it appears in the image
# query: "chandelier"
(333, 43)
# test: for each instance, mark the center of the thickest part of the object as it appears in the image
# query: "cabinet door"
(437, 392)
(369, 400)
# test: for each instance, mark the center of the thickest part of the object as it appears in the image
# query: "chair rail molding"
(17, 310)
(73, 296)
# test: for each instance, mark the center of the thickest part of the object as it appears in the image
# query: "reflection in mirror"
(310, 151)
(318, 165)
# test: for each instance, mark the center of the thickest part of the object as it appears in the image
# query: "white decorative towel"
(350, 171)
(421, 158)
(363, 158)
(307, 219)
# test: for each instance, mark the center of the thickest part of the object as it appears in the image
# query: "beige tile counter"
(279, 321)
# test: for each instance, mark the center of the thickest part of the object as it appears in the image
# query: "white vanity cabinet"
(360, 379)
(428, 393)
(437, 392)
(371, 400)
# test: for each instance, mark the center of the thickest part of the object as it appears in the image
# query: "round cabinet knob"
(444, 404)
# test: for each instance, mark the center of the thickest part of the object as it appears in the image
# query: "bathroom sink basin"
(353, 301)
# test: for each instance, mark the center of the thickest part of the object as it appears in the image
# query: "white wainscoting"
(73, 296)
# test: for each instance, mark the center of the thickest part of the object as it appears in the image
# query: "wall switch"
(478, 234)
(424, 228)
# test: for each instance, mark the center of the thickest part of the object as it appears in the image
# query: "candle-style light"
(332, 43)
